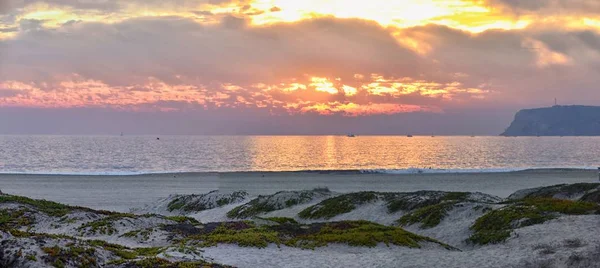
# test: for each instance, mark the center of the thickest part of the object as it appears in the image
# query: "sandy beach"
(340, 226)
(120, 193)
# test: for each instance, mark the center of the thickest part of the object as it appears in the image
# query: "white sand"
(515, 252)
(120, 193)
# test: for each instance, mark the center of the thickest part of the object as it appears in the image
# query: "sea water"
(126, 155)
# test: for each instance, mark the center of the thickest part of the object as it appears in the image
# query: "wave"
(469, 170)
(443, 171)
(324, 171)
(94, 173)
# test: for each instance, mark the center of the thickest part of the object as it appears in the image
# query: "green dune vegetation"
(48, 207)
(429, 216)
(427, 207)
(307, 236)
(200, 202)
(497, 225)
(332, 207)
(279, 200)
(66, 251)
(576, 191)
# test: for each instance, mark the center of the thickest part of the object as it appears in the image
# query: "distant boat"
(410, 136)
(350, 135)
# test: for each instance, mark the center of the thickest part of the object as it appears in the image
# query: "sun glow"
(323, 85)
(469, 15)
(353, 109)
(463, 14)
(349, 91)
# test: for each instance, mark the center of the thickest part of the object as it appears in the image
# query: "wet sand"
(123, 192)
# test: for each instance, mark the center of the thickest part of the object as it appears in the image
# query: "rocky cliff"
(556, 121)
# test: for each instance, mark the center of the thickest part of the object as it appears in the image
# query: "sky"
(443, 67)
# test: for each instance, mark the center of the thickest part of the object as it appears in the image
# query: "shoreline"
(408, 171)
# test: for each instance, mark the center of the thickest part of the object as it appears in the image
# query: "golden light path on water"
(145, 154)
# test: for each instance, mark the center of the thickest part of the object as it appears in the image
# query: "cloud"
(11, 6)
(175, 49)
(215, 60)
(113, 5)
(377, 65)
(203, 13)
(9, 29)
(525, 66)
(549, 6)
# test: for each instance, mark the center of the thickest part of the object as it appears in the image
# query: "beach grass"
(279, 200)
(496, 226)
(309, 236)
(338, 205)
(48, 207)
(429, 216)
(194, 202)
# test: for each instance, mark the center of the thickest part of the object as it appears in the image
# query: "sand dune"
(540, 227)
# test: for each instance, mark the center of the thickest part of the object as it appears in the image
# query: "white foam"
(463, 170)
(90, 173)
(374, 171)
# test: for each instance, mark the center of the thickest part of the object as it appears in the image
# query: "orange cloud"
(404, 86)
(323, 85)
(302, 96)
(353, 109)
(91, 93)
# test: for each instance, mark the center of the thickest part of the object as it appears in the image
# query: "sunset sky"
(291, 66)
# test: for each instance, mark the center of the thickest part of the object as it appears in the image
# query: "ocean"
(128, 155)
